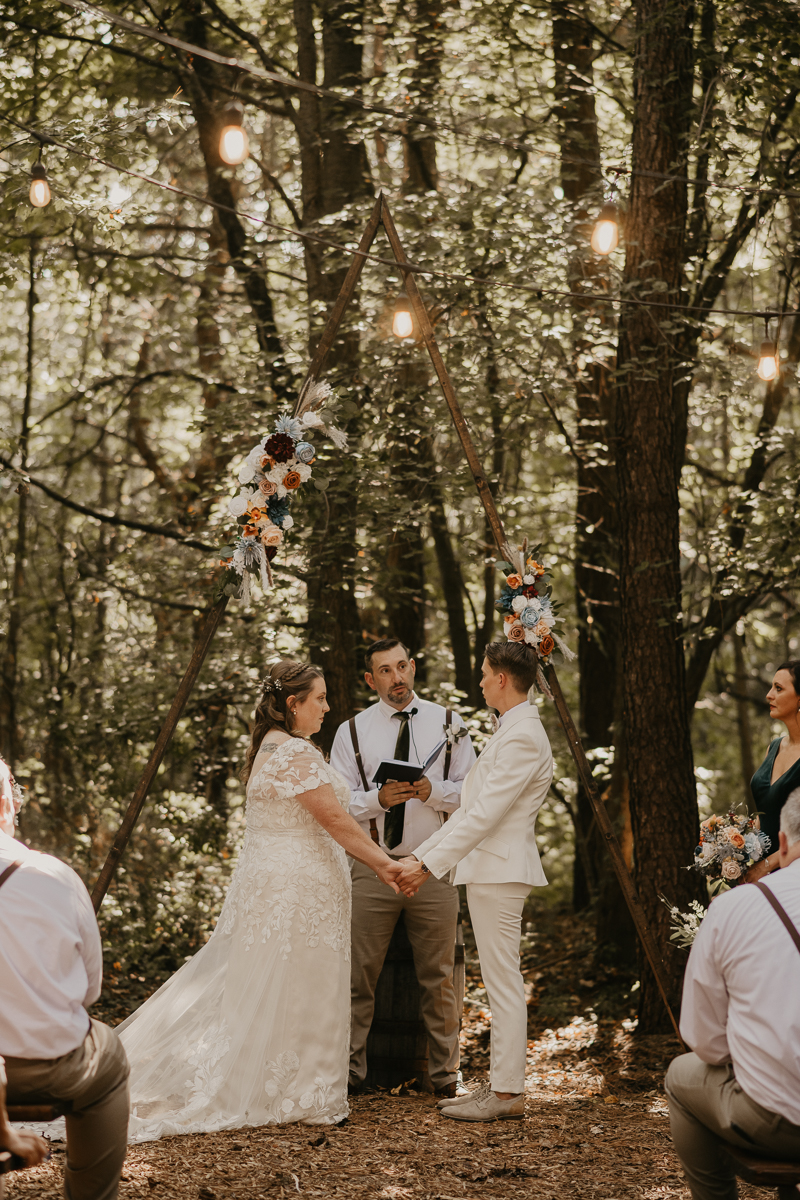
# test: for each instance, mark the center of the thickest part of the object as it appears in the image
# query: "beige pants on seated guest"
(495, 911)
(92, 1084)
(706, 1104)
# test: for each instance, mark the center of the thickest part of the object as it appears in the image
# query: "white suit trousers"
(495, 910)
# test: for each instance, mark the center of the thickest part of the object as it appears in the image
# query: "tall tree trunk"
(10, 742)
(335, 175)
(649, 429)
(419, 143)
(743, 718)
(453, 589)
(596, 547)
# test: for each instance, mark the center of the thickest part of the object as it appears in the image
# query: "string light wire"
(538, 289)
(288, 81)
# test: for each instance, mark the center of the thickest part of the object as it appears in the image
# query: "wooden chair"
(766, 1172)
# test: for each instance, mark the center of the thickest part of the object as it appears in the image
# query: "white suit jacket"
(491, 837)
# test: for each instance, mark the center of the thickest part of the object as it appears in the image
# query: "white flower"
(302, 470)
(531, 637)
(287, 522)
(238, 505)
(287, 1105)
(518, 603)
(528, 580)
(307, 1100)
(276, 473)
(246, 472)
(255, 456)
(311, 420)
(271, 1088)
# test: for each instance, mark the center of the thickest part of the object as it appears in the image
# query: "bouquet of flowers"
(729, 845)
(277, 466)
(527, 604)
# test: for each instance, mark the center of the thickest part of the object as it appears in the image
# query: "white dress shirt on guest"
(741, 992)
(377, 738)
(51, 957)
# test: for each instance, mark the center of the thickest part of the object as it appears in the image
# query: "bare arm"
(325, 808)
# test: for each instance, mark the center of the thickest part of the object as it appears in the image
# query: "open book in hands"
(399, 771)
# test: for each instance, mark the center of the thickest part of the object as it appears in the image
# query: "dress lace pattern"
(254, 1029)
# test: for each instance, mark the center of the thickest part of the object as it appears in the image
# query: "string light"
(402, 322)
(234, 145)
(605, 235)
(40, 188)
(769, 367)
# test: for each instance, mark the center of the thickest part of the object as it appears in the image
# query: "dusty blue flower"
(304, 452)
(290, 426)
(530, 617)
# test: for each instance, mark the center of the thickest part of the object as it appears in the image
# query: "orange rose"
(535, 568)
(515, 633)
(546, 646)
(291, 481)
(250, 531)
(510, 618)
(513, 581)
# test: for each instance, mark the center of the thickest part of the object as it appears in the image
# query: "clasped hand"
(393, 792)
(406, 876)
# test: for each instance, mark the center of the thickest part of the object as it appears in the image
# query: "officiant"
(399, 817)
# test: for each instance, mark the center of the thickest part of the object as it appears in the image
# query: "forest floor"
(596, 1122)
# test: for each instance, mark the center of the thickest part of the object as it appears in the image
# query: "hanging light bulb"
(402, 323)
(605, 235)
(768, 363)
(40, 188)
(234, 145)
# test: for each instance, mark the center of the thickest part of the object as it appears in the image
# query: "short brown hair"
(380, 647)
(516, 659)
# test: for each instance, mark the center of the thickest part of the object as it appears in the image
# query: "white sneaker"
(487, 1107)
(480, 1090)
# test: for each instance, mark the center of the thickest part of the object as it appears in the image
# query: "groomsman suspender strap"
(9, 871)
(373, 824)
(782, 913)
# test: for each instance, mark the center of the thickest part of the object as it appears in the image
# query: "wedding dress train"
(254, 1029)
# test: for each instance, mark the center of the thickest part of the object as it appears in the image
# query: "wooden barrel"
(397, 1046)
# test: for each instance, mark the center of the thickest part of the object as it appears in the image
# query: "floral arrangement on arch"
(527, 604)
(729, 846)
(277, 467)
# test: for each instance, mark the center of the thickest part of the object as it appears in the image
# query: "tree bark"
(596, 544)
(10, 741)
(335, 175)
(419, 143)
(656, 716)
(453, 589)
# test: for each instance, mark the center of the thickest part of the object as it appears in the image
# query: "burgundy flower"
(280, 447)
(529, 591)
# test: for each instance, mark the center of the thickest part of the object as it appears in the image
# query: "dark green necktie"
(396, 815)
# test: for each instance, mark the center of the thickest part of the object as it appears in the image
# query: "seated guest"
(50, 971)
(741, 1017)
(27, 1146)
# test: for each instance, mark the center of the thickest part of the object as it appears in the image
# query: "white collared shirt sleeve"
(364, 805)
(91, 946)
(446, 793)
(704, 1008)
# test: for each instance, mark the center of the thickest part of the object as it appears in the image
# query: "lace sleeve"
(301, 769)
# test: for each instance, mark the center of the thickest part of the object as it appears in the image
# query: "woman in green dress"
(779, 773)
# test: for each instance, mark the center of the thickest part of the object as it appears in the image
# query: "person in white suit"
(489, 844)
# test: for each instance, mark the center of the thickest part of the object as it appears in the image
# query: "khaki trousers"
(495, 911)
(706, 1104)
(92, 1083)
(431, 919)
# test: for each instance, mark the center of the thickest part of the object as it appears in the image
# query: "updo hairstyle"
(793, 667)
(285, 678)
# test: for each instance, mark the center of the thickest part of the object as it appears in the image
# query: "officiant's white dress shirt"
(377, 738)
(51, 957)
(741, 992)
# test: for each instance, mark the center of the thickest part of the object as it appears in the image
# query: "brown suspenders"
(448, 754)
(9, 871)
(779, 909)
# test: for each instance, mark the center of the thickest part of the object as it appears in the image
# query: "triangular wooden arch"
(381, 215)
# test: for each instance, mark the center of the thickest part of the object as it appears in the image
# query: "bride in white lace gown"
(254, 1029)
